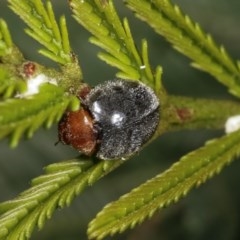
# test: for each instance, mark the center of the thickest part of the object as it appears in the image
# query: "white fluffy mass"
(232, 124)
(34, 83)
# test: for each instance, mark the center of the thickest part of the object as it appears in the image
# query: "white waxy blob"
(34, 83)
(232, 124)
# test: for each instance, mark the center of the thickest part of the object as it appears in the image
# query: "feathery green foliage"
(49, 104)
(9, 85)
(5, 38)
(191, 170)
(187, 37)
(44, 28)
(9, 53)
(56, 188)
(63, 181)
(46, 108)
(101, 19)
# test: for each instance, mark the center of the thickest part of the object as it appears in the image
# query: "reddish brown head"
(77, 129)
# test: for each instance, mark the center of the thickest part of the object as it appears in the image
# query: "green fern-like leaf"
(44, 28)
(9, 53)
(101, 19)
(5, 39)
(57, 188)
(188, 38)
(19, 116)
(192, 170)
(9, 85)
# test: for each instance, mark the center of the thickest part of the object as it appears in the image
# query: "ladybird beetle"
(118, 117)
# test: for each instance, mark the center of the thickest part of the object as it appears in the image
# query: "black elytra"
(126, 114)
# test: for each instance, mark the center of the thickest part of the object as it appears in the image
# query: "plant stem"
(190, 113)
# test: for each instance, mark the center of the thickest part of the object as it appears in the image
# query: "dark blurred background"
(209, 212)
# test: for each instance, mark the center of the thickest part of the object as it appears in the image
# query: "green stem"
(190, 113)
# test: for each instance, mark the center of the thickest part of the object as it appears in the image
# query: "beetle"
(117, 118)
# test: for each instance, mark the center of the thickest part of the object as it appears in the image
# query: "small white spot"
(142, 67)
(34, 83)
(117, 119)
(232, 124)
